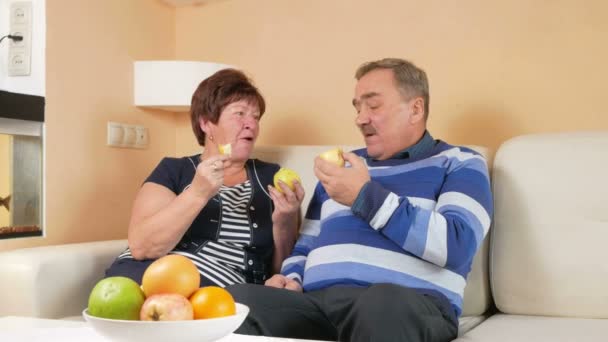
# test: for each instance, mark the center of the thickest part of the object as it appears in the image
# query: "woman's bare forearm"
(155, 235)
(284, 236)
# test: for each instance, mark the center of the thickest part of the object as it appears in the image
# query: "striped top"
(419, 226)
(225, 257)
(223, 260)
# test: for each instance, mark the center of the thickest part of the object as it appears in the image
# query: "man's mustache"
(367, 130)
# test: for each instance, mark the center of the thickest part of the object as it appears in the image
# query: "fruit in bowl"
(198, 330)
(116, 298)
(333, 156)
(166, 307)
(169, 304)
(212, 302)
(287, 176)
(172, 273)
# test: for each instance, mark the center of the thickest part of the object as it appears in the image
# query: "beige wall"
(90, 187)
(497, 68)
(5, 169)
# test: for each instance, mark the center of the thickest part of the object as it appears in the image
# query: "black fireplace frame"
(21, 106)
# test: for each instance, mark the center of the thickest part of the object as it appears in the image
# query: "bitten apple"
(166, 307)
(287, 176)
(225, 149)
(333, 156)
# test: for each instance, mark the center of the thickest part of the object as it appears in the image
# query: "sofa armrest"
(53, 281)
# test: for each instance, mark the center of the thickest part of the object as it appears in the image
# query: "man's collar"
(423, 145)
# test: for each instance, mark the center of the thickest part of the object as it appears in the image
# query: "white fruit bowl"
(200, 330)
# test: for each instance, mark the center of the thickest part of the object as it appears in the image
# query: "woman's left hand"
(286, 204)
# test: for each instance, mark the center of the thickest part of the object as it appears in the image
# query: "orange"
(212, 302)
(171, 274)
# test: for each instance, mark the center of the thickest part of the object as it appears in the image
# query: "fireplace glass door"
(20, 178)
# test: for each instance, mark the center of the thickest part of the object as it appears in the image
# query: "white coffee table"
(27, 329)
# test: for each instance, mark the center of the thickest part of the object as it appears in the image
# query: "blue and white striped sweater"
(422, 221)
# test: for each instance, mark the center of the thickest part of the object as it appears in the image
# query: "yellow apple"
(287, 176)
(225, 149)
(333, 156)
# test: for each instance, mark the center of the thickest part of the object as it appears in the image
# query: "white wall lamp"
(169, 85)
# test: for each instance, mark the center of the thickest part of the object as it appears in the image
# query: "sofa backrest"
(477, 297)
(53, 281)
(548, 243)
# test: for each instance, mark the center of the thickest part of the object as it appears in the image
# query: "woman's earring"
(210, 137)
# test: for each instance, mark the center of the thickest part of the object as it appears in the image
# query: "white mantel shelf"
(169, 85)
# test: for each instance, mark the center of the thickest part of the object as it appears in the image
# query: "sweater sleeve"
(449, 233)
(293, 266)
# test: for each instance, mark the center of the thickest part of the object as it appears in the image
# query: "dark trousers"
(381, 312)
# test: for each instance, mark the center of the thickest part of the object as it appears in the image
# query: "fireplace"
(21, 165)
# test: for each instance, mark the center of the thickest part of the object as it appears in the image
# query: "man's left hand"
(342, 184)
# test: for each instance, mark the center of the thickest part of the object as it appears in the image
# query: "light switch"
(115, 134)
(128, 140)
(127, 136)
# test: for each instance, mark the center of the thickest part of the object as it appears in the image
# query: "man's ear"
(417, 104)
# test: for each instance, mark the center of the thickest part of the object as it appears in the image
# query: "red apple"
(166, 307)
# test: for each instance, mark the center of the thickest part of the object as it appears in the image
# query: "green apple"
(287, 176)
(116, 298)
(333, 156)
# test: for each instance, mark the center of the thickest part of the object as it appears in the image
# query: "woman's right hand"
(209, 176)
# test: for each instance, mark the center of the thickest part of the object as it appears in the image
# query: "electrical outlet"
(20, 53)
(141, 140)
(21, 13)
(18, 63)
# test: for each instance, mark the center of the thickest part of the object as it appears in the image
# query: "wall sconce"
(169, 85)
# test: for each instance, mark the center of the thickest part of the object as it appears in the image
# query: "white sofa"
(543, 258)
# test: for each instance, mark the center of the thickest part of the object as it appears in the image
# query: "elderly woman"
(218, 210)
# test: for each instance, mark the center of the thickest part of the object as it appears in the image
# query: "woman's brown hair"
(216, 92)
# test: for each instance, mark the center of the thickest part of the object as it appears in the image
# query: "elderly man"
(387, 241)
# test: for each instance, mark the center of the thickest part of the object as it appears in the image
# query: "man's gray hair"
(411, 80)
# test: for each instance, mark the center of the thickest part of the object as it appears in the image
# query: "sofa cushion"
(509, 328)
(548, 242)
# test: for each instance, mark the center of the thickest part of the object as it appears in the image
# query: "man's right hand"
(282, 282)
